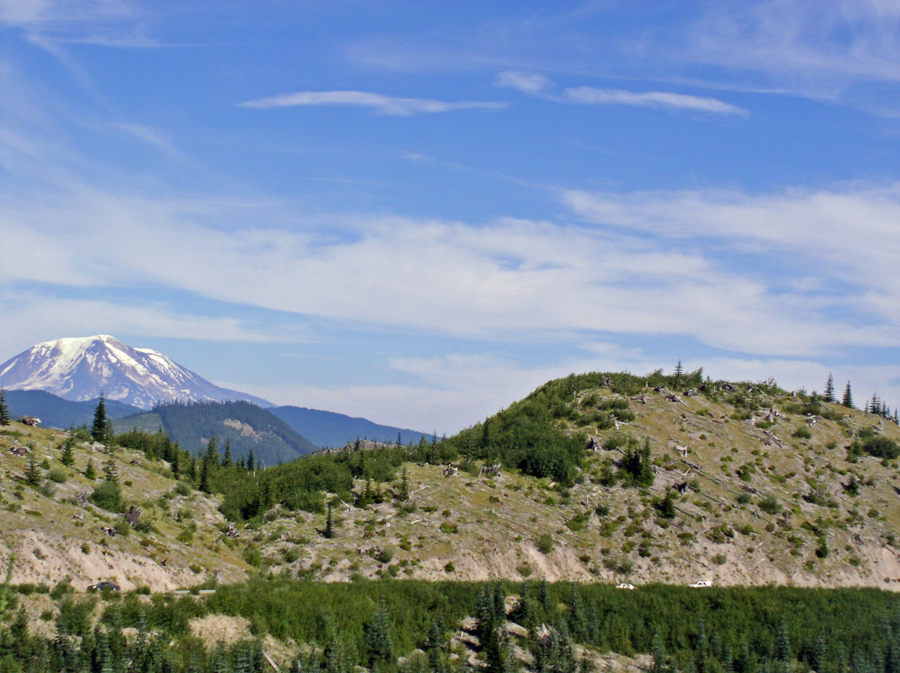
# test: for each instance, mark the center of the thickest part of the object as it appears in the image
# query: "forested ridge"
(245, 426)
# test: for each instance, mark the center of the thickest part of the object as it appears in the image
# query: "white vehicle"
(625, 585)
(701, 584)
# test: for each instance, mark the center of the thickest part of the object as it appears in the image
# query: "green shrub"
(770, 505)
(122, 527)
(881, 447)
(253, 556)
(545, 543)
(108, 496)
(803, 432)
(58, 475)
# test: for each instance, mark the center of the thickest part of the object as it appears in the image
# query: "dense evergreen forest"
(373, 624)
(246, 427)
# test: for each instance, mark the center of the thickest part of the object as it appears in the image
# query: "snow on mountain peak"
(83, 368)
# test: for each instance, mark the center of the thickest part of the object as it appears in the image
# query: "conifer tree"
(403, 490)
(250, 465)
(667, 505)
(379, 644)
(204, 477)
(4, 410)
(89, 471)
(847, 401)
(212, 451)
(329, 524)
(659, 657)
(226, 461)
(829, 389)
(67, 457)
(175, 464)
(783, 643)
(576, 616)
(111, 472)
(99, 426)
(679, 371)
(32, 472)
(337, 655)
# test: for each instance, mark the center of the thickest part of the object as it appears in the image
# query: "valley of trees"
(409, 626)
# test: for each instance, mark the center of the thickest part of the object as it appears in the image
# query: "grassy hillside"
(765, 493)
(57, 529)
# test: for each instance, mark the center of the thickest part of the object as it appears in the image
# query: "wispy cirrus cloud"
(657, 99)
(651, 264)
(536, 84)
(387, 105)
(527, 82)
(153, 137)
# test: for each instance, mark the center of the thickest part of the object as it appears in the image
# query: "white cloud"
(828, 43)
(31, 318)
(653, 273)
(536, 84)
(388, 105)
(849, 233)
(526, 82)
(456, 391)
(109, 23)
(657, 99)
(152, 136)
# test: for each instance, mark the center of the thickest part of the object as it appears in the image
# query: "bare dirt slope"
(56, 533)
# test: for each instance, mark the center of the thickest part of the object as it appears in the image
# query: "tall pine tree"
(99, 426)
(847, 401)
(4, 410)
(379, 644)
(829, 389)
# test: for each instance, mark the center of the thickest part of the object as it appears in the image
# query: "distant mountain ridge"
(55, 412)
(81, 369)
(327, 428)
(60, 382)
(246, 426)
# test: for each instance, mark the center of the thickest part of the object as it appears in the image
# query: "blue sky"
(418, 212)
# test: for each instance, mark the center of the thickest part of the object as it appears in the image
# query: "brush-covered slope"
(245, 426)
(613, 477)
(327, 428)
(56, 530)
(56, 412)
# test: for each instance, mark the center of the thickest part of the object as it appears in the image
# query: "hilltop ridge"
(598, 477)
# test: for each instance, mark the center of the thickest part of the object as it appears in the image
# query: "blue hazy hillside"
(327, 428)
(55, 412)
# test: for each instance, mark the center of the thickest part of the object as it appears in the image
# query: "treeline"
(373, 624)
(191, 424)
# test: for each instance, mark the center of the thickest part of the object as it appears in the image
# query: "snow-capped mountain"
(83, 368)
